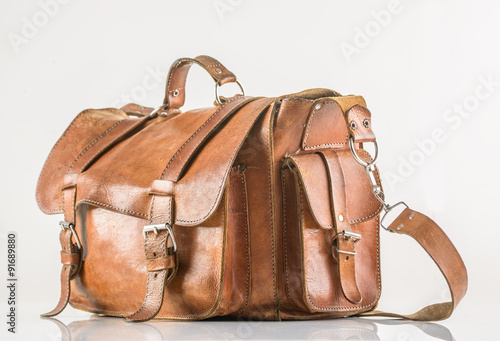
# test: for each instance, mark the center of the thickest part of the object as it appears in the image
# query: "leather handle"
(440, 248)
(175, 94)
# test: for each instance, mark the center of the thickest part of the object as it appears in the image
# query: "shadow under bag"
(261, 208)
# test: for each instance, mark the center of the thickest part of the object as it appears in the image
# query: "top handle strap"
(175, 94)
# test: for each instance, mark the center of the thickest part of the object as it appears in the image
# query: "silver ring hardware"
(356, 157)
(154, 112)
(217, 97)
(157, 227)
(65, 225)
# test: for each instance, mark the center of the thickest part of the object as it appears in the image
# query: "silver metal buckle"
(155, 228)
(376, 189)
(65, 225)
(217, 97)
(347, 235)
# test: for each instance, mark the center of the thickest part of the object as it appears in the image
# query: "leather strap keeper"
(70, 258)
(161, 263)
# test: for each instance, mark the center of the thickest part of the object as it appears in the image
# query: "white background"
(414, 67)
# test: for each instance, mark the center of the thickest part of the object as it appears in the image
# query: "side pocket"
(313, 274)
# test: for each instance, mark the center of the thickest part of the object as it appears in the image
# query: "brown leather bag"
(256, 207)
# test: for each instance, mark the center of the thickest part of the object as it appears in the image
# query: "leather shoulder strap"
(439, 247)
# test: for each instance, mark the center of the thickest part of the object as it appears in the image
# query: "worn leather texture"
(253, 208)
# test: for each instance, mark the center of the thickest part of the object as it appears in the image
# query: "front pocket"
(213, 274)
(325, 194)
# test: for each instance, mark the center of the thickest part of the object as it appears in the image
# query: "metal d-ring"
(217, 97)
(361, 162)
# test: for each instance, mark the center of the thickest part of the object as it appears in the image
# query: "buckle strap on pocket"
(343, 249)
(71, 256)
(161, 260)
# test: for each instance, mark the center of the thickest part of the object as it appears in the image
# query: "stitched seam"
(288, 295)
(175, 89)
(327, 144)
(214, 60)
(174, 67)
(271, 212)
(193, 135)
(271, 204)
(292, 99)
(109, 206)
(344, 196)
(246, 243)
(218, 189)
(211, 309)
(56, 210)
(309, 127)
(170, 73)
(136, 124)
(309, 123)
(91, 144)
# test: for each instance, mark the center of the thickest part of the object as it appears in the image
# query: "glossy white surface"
(75, 325)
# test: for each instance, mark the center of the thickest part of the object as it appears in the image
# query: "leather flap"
(313, 175)
(326, 125)
(87, 127)
(126, 179)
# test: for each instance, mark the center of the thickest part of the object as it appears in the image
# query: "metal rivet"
(175, 93)
(400, 227)
(353, 125)
(366, 123)
(412, 215)
(341, 217)
(218, 70)
(318, 106)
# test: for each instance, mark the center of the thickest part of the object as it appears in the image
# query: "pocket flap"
(361, 204)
